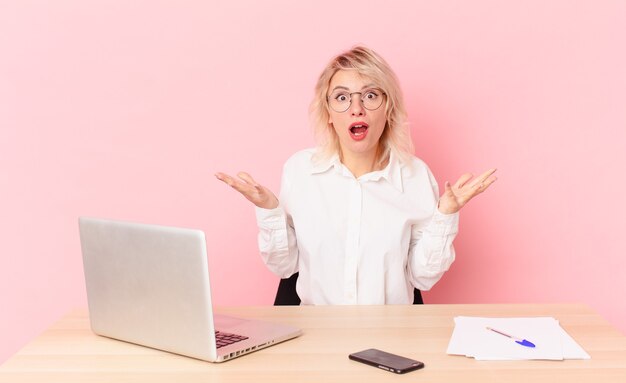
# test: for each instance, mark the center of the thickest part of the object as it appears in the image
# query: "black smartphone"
(386, 361)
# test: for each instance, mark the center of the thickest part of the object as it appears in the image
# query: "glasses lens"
(372, 99)
(339, 100)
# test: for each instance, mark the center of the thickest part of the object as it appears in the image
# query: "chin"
(360, 147)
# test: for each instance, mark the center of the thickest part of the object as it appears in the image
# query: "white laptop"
(149, 285)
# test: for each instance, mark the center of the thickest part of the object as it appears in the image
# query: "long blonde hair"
(396, 136)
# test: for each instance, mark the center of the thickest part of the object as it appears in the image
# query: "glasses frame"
(360, 98)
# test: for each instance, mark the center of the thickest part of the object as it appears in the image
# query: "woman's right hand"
(249, 188)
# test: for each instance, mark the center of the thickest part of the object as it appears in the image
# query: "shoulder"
(415, 170)
(414, 167)
(301, 158)
(303, 155)
(300, 161)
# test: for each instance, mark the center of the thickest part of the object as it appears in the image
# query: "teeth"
(362, 127)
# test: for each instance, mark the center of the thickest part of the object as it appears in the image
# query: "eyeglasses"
(340, 100)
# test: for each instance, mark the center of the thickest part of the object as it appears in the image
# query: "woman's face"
(359, 127)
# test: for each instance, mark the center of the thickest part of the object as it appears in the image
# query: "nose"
(356, 107)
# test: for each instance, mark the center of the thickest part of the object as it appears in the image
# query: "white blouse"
(366, 240)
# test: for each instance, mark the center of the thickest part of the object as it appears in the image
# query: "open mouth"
(358, 130)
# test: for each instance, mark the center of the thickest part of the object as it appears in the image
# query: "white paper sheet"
(471, 338)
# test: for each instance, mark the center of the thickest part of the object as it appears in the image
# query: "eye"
(371, 95)
(342, 97)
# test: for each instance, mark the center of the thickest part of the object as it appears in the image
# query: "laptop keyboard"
(224, 339)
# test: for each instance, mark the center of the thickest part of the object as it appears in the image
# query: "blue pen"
(517, 340)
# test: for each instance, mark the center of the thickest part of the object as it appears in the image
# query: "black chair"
(286, 294)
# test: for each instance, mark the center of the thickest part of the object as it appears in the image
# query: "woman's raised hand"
(249, 188)
(455, 197)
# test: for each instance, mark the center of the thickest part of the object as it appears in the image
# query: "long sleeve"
(277, 241)
(277, 237)
(430, 251)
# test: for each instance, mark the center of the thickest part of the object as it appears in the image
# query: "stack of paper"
(472, 338)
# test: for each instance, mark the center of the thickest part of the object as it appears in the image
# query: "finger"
(463, 179)
(234, 183)
(247, 177)
(256, 194)
(447, 190)
(223, 177)
(487, 174)
(481, 178)
(481, 187)
(487, 183)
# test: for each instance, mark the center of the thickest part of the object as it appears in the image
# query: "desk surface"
(69, 352)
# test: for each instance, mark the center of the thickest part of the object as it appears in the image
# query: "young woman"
(360, 216)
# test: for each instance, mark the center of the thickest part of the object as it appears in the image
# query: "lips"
(358, 130)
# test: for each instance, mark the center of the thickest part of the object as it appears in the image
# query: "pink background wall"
(126, 109)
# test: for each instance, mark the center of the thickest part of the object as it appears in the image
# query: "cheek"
(334, 126)
(335, 121)
(380, 123)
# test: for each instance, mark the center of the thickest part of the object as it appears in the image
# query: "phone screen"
(386, 361)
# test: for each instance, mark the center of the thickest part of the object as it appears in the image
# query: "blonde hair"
(396, 136)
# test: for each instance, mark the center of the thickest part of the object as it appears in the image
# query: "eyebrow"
(372, 85)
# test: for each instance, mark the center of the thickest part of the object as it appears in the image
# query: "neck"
(359, 163)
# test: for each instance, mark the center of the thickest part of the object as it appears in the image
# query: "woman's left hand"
(455, 197)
